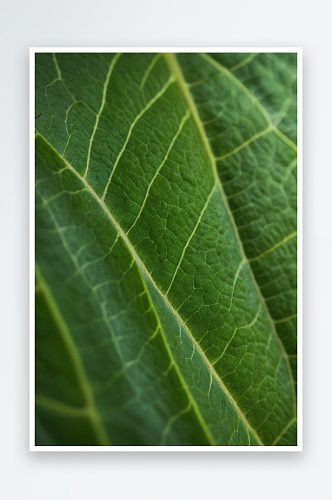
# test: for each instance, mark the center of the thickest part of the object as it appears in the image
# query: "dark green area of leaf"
(166, 249)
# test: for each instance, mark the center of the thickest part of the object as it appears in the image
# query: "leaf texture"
(166, 249)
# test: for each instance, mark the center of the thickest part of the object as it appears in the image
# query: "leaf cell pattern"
(166, 249)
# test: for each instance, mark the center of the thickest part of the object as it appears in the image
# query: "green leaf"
(166, 249)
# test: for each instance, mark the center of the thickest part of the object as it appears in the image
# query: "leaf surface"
(166, 249)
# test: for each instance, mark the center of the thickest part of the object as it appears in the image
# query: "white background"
(48, 476)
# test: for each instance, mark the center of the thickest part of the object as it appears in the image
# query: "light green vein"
(171, 421)
(144, 110)
(234, 333)
(240, 85)
(101, 109)
(244, 62)
(148, 71)
(292, 316)
(183, 121)
(246, 143)
(289, 170)
(234, 282)
(190, 237)
(238, 193)
(284, 138)
(57, 66)
(96, 421)
(284, 431)
(277, 245)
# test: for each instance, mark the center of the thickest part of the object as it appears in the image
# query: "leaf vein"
(192, 234)
(103, 102)
(277, 245)
(184, 119)
(252, 98)
(144, 110)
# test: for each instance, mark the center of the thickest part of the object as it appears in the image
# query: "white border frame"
(32, 446)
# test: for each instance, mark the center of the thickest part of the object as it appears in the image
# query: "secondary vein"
(252, 98)
(103, 102)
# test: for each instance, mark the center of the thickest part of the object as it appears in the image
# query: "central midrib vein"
(176, 71)
(141, 266)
